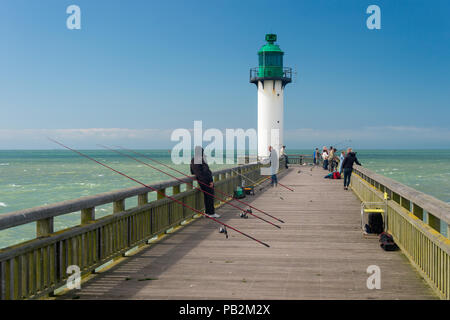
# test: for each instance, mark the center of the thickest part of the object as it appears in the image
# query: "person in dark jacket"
(347, 166)
(203, 174)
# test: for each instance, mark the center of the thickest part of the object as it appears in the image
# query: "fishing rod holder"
(224, 230)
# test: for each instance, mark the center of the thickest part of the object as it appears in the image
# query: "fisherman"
(284, 155)
(272, 159)
(325, 158)
(200, 168)
(341, 161)
(333, 161)
(330, 159)
(347, 166)
(316, 156)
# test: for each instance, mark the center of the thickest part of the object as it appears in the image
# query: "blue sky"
(139, 69)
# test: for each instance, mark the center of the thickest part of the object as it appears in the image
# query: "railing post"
(87, 215)
(161, 194)
(44, 227)
(418, 211)
(176, 189)
(119, 206)
(143, 199)
(189, 186)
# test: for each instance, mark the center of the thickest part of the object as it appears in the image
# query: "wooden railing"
(37, 267)
(300, 159)
(418, 222)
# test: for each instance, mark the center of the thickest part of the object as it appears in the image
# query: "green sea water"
(33, 178)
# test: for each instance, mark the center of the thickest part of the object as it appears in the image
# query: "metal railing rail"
(300, 158)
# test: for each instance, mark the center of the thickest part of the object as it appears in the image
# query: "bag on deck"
(239, 193)
(336, 175)
(387, 242)
(375, 222)
(249, 190)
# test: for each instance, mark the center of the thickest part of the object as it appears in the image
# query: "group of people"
(342, 165)
(337, 165)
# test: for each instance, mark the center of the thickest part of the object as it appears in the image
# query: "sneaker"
(215, 215)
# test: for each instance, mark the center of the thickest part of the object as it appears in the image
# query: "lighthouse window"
(271, 59)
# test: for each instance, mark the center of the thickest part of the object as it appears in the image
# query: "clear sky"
(139, 69)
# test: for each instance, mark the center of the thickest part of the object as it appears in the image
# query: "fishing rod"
(169, 167)
(245, 212)
(263, 180)
(161, 193)
(343, 141)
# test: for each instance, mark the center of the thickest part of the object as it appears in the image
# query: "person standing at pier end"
(347, 166)
(316, 156)
(200, 168)
(331, 159)
(325, 158)
(341, 161)
(272, 159)
(284, 155)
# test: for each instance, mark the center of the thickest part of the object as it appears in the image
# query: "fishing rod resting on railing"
(245, 212)
(224, 193)
(160, 193)
(263, 180)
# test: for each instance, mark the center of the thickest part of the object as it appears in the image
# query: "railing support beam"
(44, 227)
(87, 215)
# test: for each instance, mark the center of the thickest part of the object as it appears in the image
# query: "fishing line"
(159, 192)
(169, 167)
(172, 176)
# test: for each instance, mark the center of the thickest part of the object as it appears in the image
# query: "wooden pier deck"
(320, 253)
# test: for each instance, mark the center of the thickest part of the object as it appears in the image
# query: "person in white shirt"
(325, 158)
(272, 159)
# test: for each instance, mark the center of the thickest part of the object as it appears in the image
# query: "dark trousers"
(347, 176)
(273, 180)
(332, 165)
(208, 198)
(287, 161)
(325, 164)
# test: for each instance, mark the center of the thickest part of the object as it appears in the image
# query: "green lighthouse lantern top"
(270, 66)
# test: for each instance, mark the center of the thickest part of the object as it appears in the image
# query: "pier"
(161, 250)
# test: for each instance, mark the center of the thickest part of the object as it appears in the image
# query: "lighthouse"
(270, 78)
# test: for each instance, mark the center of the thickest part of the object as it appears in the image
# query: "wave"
(2, 204)
(4, 164)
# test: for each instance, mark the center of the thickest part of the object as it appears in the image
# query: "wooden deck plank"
(319, 253)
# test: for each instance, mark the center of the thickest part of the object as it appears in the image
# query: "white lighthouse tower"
(270, 78)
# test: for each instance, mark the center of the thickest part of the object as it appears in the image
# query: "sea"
(30, 178)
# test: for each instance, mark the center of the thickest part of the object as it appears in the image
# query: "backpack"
(375, 222)
(336, 175)
(387, 242)
(239, 193)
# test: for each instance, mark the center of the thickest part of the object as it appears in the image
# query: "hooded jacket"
(201, 170)
(349, 160)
